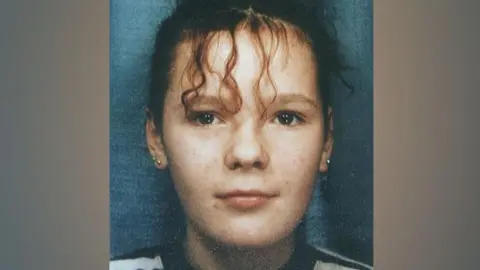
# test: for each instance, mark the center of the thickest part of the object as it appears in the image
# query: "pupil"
(286, 118)
(205, 119)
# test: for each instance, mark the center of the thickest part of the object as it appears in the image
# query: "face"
(245, 177)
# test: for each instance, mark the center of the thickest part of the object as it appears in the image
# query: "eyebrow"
(206, 100)
(280, 99)
(203, 99)
(295, 98)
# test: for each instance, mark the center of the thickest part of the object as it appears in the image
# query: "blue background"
(340, 216)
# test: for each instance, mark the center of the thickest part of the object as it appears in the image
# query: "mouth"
(244, 200)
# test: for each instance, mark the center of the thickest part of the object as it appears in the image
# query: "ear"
(328, 143)
(155, 145)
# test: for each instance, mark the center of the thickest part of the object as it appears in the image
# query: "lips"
(246, 199)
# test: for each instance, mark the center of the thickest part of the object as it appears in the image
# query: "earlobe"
(324, 166)
(158, 163)
(325, 162)
(328, 144)
(155, 145)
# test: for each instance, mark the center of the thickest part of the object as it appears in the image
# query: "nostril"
(236, 165)
(247, 165)
(258, 164)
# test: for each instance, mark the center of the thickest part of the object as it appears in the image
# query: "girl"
(239, 113)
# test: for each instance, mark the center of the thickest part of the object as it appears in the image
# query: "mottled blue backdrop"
(342, 211)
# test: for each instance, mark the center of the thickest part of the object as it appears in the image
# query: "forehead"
(266, 60)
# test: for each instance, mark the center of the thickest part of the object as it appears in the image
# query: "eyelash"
(194, 117)
(296, 116)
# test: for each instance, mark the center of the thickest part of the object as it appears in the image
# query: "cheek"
(298, 162)
(299, 173)
(298, 152)
(191, 162)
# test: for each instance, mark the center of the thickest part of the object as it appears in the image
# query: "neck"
(206, 253)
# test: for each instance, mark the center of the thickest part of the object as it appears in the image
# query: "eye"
(288, 118)
(203, 118)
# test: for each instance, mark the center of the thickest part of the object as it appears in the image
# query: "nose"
(247, 150)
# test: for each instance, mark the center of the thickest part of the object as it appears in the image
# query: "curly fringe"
(198, 22)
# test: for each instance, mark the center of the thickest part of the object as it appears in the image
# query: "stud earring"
(156, 160)
(328, 161)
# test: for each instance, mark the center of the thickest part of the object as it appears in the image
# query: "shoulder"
(144, 259)
(328, 260)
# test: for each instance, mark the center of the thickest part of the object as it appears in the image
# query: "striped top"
(304, 258)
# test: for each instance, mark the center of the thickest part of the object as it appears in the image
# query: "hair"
(197, 22)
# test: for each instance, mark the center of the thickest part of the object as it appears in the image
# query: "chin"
(249, 241)
(249, 237)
